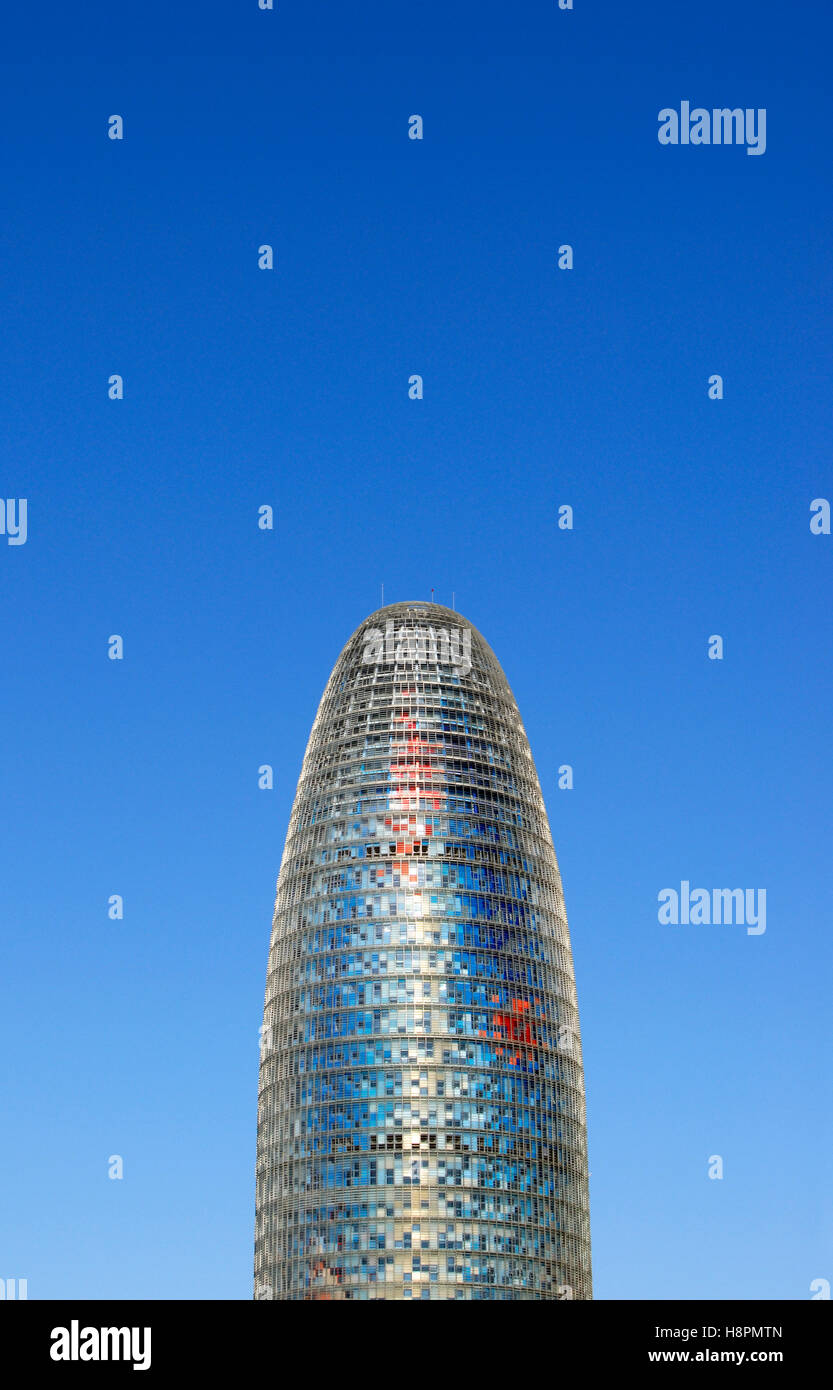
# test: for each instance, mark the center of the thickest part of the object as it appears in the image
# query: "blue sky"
(290, 387)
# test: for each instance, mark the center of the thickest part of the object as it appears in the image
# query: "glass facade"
(421, 1118)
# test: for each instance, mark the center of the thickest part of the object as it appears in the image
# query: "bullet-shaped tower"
(421, 1117)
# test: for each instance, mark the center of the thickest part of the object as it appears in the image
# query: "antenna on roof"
(432, 595)
(452, 602)
(383, 594)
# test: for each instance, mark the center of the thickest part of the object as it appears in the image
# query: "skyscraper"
(421, 1120)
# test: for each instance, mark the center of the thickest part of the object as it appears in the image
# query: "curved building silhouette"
(421, 1120)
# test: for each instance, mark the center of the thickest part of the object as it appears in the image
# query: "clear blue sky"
(542, 387)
